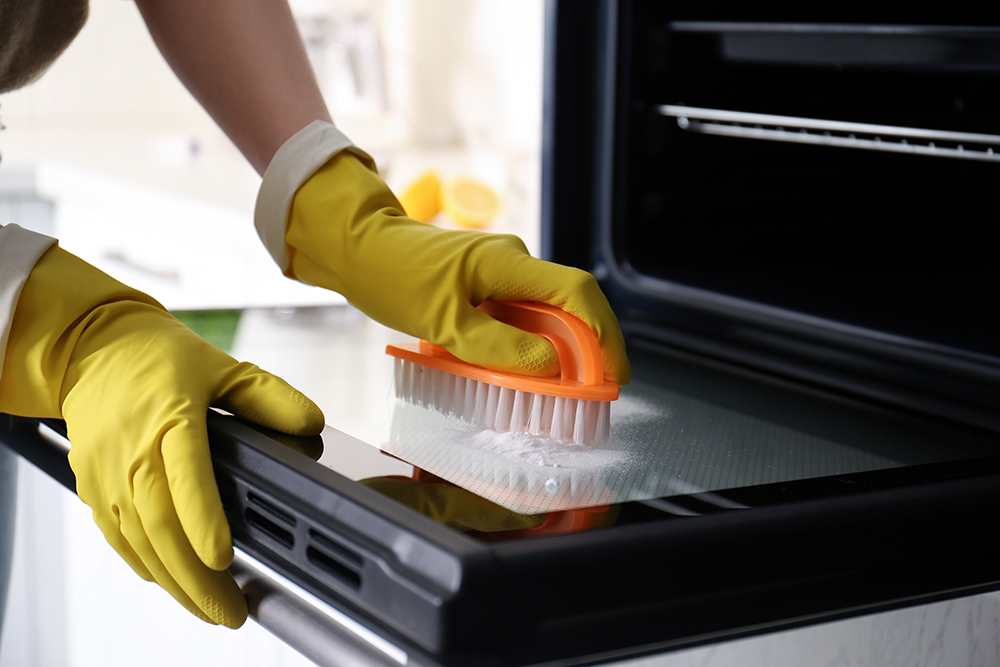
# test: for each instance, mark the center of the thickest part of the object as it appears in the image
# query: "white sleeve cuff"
(19, 251)
(292, 165)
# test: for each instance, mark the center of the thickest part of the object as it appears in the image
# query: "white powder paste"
(523, 473)
(634, 409)
(662, 443)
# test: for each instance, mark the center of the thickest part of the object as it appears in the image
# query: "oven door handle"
(321, 633)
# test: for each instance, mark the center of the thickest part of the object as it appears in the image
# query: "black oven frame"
(594, 122)
(779, 556)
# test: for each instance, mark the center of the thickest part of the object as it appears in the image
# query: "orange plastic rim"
(581, 374)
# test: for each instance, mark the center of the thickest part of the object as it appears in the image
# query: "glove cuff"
(19, 251)
(293, 164)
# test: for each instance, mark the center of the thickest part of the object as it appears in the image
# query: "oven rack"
(817, 132)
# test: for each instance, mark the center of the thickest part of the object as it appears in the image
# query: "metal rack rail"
(817, 132)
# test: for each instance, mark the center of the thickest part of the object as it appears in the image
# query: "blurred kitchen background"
(110, 138)
(109, 153)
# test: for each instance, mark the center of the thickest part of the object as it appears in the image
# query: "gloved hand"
(452, 505)
(347, 232)
(134, 386)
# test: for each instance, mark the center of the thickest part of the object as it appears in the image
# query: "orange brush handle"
(581, 366)
(579, 352)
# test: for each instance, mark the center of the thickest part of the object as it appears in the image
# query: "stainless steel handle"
(325, 636)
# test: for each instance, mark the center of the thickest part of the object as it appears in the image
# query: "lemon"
(469, 202)
(422, 200)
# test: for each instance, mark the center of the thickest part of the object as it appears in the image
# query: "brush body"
(573, 407)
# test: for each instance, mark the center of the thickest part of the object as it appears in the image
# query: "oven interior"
(811, 191)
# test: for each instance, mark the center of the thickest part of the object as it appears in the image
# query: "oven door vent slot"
(272, 529)
(270, 519)
(332, 546)
(333, 567)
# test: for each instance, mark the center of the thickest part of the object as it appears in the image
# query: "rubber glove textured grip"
(134, 386)
(346, 232)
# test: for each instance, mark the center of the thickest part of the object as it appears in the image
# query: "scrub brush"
(572, 407)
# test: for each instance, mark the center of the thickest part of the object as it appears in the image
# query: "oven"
(795, 215)
(811, 191)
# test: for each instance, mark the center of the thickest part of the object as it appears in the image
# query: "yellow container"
(422, 200)
(469, 202)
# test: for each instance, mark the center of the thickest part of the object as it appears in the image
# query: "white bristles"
(504, 409)
(492, 401)
(482, 398)
(580, 420)
(557, 430)
(501, 409)
(469, 405)
(519, 412)
(439, 394)
(536, 420)
(426, 384)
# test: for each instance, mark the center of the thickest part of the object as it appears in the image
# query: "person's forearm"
(244, 61)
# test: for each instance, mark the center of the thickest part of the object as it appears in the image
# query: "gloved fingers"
(122, 528)
(481, 340)
(154, 531)
(121, 544)
(106, 513)
(110, 525)
(126, 533)
(452, 505)
(578, 293)
(597, 313)
(190, 491)
(468, 511)
(265, 399)
(311, 446)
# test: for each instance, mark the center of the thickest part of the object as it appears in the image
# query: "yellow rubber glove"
(452, 505)
(134, 386)
(347, 232)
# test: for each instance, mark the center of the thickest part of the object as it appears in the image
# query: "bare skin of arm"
(244, 61)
